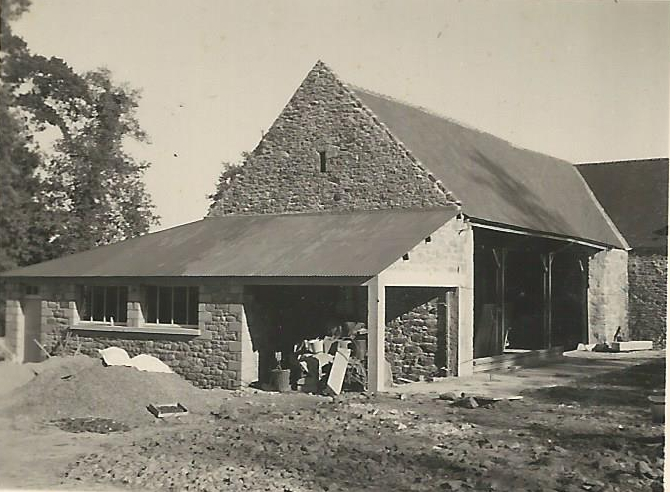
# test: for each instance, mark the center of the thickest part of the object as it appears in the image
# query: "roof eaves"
(623, 161)
(487, 224)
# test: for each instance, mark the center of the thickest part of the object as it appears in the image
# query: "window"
(107, 304)
(322, 161)
(172, 305)
(32, 290)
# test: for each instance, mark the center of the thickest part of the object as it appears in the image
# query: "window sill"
(101, 324)
(148, 329)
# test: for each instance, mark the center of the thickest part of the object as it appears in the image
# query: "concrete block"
(235, 346)
(632, 346)
(235, 326)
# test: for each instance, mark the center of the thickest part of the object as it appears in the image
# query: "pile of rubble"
(326, 365)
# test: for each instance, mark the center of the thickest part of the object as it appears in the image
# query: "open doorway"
(32, 314)
(282, 317)
(524, 298)
(530, 293)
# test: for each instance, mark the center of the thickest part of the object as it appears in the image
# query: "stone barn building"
(457, 251)
(635, 195)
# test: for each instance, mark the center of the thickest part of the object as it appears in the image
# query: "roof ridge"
(337, 212)
(454, 121)
(426, 110)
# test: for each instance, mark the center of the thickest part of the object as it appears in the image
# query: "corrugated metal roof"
(496, 181)
(635, 196)
(296, 245)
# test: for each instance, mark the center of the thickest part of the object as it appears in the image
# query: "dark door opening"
(524, 299)
(32, 313)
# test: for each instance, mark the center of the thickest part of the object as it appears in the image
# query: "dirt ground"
(593, 432)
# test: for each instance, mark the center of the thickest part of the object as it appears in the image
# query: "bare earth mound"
(81, 386)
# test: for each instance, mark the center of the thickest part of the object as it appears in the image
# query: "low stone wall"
(212, 359)
(648, 288)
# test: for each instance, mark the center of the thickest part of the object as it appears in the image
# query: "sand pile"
(13, 375)
(67, 387)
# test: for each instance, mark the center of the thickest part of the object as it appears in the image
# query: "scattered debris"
(115, 356)
(42, 349)
(450, 396)
(90, 424)
(467, 402)
(618, 346)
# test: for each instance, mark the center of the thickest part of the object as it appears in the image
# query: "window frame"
(189, 324)
(83, 299)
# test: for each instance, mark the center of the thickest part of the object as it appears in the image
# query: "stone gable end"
(365, 167)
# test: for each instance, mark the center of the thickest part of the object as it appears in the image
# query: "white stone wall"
(446, 261)
(608, 295)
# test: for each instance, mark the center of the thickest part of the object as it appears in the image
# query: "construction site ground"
(584, 423)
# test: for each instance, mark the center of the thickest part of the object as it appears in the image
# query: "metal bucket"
(280, 379)
(315, 346)
(657, 408)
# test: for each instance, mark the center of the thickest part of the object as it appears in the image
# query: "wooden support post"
(376, 328)
(503, 313)
(500, 256)
(550, 316)
(547, 261)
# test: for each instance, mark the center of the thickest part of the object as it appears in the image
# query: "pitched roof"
(495, 181)
(354, 244)
(635, 195)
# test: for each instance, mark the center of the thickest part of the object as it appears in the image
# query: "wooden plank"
(516, 360)
(336, 376)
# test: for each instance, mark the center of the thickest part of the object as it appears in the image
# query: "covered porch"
(531, 296)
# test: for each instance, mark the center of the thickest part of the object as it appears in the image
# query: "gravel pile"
(80, 386)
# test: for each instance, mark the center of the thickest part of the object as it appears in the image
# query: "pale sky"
(584, 81)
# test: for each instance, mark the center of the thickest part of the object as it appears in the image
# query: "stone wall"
(608, 295)
(447, 260)
(220, 355)
(423, 337)
(366, 167)
(647, 300)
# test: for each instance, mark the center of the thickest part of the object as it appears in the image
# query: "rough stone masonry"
(365, 169)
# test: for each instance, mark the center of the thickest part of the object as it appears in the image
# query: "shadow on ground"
(625, 387)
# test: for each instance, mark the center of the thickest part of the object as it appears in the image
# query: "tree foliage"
(226, 178)
(85, 190)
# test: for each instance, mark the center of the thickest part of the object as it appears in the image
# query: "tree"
(88, 190)
(25, 226)
(226, 178)
(91, 179)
